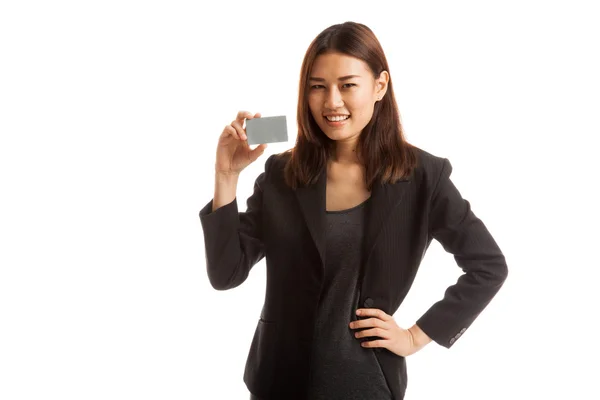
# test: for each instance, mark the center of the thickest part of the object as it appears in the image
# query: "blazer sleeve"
(233, 240)
(454, 225)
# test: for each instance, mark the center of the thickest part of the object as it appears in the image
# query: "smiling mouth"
(336, 124)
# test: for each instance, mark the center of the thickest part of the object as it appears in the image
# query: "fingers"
(367, 323)
(375, 343)
(241, 132)
(236, 129)
(373, 312)
(241, 115)
(382, 333)
(231, 131)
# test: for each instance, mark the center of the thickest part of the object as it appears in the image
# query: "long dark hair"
(382, 148)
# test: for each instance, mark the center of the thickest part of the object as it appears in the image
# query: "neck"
(345, 153)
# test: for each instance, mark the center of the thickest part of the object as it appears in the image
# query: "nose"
(334, 99)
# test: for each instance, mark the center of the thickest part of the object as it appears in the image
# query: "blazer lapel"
(384, 198)
(312, 203)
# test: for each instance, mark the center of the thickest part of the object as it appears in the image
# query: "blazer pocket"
(260, 363)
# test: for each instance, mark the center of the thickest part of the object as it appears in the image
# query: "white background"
(109, 117)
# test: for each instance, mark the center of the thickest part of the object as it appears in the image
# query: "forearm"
(225, 189)
(233, 239)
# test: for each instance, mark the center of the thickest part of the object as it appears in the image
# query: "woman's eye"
(320, 86)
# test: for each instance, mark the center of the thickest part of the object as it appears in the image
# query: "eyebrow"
(341, 78)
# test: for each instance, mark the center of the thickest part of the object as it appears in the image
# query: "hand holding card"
(233, 152)
(266, 130)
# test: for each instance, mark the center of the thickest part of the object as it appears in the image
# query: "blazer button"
(463, 330)
(369, 302)
(452, 340)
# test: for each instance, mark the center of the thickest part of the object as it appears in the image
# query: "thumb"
(257, 152)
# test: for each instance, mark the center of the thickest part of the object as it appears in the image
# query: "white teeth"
(337, 118)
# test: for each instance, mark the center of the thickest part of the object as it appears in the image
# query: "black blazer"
(287, 228)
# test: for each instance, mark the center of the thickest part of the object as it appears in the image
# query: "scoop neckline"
(348, 209)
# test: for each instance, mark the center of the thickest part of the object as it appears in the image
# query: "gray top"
(340, 367)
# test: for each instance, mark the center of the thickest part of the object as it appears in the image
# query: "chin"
(339, 136)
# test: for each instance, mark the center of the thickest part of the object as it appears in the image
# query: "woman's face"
(330, 93)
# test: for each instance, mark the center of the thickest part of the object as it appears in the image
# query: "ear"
(382, 83)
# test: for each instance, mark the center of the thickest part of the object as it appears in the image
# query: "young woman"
(343, 220)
